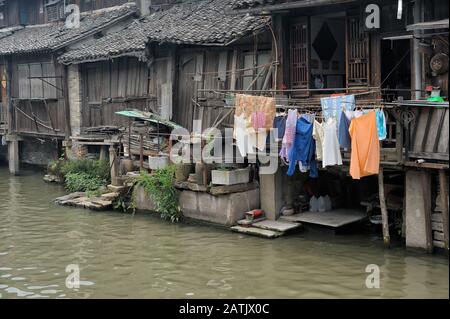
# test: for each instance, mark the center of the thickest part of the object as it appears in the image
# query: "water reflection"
(141, 256)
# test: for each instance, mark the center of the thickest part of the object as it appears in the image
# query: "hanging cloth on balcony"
(365, 157)
(303, 150)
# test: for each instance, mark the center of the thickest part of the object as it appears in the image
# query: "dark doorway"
(396, 69)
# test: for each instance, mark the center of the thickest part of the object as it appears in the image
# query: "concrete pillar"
(13, 156)
(114, 164)
(103, 153)
(75, 96)
(418, 210)
(271, 193)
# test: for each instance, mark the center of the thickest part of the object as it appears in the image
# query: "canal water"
(121, 255)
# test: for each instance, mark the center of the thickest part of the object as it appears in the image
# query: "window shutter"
(300, 56)
(358, 54)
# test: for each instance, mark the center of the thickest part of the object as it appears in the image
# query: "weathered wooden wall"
(209, 69)
(112, 86)
(36, 101)
(3, 97)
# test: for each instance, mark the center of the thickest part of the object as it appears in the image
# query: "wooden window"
(54, 10)
(37, 81)
(300, 56)
(254, 66)
(358, 54)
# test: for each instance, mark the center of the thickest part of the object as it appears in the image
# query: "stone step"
(278, 226)
(248, 223)
(437, 226)
(438, 236)
(439, 244)
(256, 232)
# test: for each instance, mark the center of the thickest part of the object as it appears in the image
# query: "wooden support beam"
(141, 151)
(444, 204)
(384, 212)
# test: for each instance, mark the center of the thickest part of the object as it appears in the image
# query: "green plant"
(125, 205)
(159, 186)
(95, 168)
(54, 167)
(82, 182)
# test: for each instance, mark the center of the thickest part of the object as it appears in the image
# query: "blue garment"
(381, 125)
(333, 106)
(344, 138)
(304, 148)
(279, 122)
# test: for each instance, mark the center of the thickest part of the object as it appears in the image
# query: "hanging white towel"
(256, 139)
(318, 136)
(331, 153)
(240, 134)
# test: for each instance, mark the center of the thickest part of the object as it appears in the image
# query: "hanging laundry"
(258, 120)
(249, 104)
(279, 123)
(304, 148)
(333, 106)
(357, 114)
(343, 135)
(254, 116)
(365, 157)
(289, 134)
(256, 139)
(331, 153)
(240, 134)
(381, 125)
(318, 136)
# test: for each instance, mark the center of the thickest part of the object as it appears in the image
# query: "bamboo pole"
(141, 151)
(444, 204)
(384, 212)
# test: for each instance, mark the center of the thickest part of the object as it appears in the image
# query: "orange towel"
(365, 159)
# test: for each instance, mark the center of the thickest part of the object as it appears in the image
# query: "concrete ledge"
(222, 209)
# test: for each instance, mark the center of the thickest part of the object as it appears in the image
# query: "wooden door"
(300, 56)
(92, 113)
(358, 54)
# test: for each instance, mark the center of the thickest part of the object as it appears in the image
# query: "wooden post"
(141, 151)
(384, 212)
(444, 204)
(65, 85)
(114, 165)
(399, 140)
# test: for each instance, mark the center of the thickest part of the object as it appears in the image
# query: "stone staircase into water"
(266, 228)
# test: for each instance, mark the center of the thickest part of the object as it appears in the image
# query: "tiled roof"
(200, 22)
(246, 4)
(54, 36)
(196, 22)
(130, 41)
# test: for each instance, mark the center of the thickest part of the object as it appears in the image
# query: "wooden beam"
(427, 165)
(384, 212)
(444, 204)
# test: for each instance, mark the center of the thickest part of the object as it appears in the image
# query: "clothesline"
(305, 141)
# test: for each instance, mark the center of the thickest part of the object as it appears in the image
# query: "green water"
(143, 257)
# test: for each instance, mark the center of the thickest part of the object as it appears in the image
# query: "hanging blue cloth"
(333, 106)
(304, 148)
(381, 125)
(343, 133)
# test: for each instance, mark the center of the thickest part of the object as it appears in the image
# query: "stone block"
(223, 209)
(418, 210)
